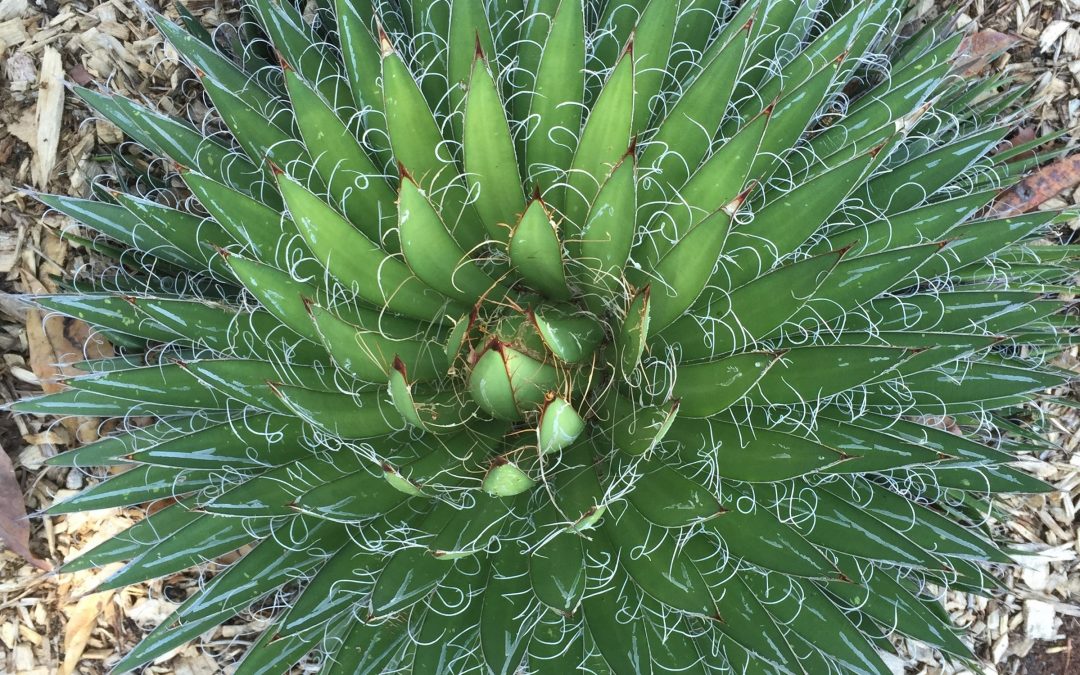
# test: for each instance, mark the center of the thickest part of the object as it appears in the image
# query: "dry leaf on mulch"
(977, 50)
(1039, 187)
(56, 341)
(14, 528)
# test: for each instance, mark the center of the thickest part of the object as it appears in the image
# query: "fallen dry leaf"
(14, 528)
(1042, 185)
(977, 50)
(81, 621)
(55, 341)
(1024, 134)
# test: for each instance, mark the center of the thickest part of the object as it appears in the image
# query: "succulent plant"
(625, 336)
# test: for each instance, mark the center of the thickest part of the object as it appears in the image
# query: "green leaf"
(623, 641)
(572, 336)
(910, 183)
(356, 186)
(205, 538)
(111, 450)
(418, 146)
(858, 280)
(922, 223)
(928, 529)
(721, 323)
(370, 355)
(266, 235)
(554, 116)
(276, 561)
(134, 540)
(181, 142)
(272, 493)
(369, 649)
(433, 255)
(536, 253)
(468, 531)
(669, 499)
(124, 225)
(813, 373)
(682, 139)
(837, 525)
(355, 416)
(293, 40)
(506, 382)
(684, 271)
(282, 296)
(812, 616)
(750, 531)
(752, 455)
(491, 165)
(246, 380)
(560, 425)
(200, 52)
(379, 279)
(974, 242)
(631, 339)
(880, 597)
(604, 139)
(600, 247)
(790, 116)
(340, 583)
(787, 220)
(947, 389)
(360, 53)
(653, 43)
(631, 428)
(165, 385)
(252, 442)
(409, 575)
(261, 140)
(446, 637)
(135, 486)
(351, 498)
(738, 614)
(557, 568)
(505, 631)
(661, 570)
(716, 185)
(439, 412)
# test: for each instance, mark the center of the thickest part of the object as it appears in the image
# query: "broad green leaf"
(662, 571)
(366, 270)
(607, 133)
(536, 252)
(428, 245)
(356, 187)
(553, 122)
(491, 165)
(505, 631)
(751, 455)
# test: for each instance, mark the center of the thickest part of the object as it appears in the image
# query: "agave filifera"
(567, 334)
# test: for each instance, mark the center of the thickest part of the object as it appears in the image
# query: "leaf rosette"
(568, 335)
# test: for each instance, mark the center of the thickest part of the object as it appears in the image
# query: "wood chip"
(81, 621)
(50, 115)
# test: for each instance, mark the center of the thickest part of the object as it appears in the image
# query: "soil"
(1056, 658)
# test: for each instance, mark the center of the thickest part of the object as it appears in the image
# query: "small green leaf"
(560, 425)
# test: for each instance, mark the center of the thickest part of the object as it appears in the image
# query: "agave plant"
(567, 335)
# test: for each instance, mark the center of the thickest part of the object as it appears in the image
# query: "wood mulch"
(49, 141)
